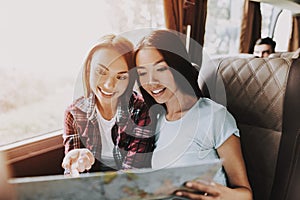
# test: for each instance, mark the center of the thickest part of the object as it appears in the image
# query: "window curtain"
(294, 42)
(180, 13)
(174, 14)
(251, 26)
(199, 20)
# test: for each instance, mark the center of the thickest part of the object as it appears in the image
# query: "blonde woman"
(106, 129)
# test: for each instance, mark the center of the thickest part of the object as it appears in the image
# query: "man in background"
(264, 47)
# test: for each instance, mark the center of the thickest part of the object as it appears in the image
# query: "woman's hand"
(199, 190)
(78, 160)
(210, 191)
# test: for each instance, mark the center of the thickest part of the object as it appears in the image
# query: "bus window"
(277, 24)
(282, 31)
(222, 29)
(43, 45)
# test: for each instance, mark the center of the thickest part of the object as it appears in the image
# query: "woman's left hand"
(205, 191)
(214, 191)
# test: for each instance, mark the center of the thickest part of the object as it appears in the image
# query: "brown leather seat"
(254, 91)
(286, 184)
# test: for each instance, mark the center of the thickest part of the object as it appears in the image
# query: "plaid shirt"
(132, 133)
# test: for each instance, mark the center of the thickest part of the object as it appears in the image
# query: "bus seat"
(286, 184)
(254, 91)
(293, 54)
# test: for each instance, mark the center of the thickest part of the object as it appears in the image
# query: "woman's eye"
(162, 68)
(122, 76)
(141, 73)
(101, 71)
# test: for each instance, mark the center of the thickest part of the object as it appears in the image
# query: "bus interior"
(261, 93)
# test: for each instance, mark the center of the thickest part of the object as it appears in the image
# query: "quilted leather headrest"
(255, 89)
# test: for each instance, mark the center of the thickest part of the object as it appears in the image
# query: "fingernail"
(179, 193)
(189, 184)
(74, 173)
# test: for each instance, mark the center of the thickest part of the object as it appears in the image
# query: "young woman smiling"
(191, 128)
(107, 128)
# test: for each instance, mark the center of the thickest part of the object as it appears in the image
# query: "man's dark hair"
(267, 40)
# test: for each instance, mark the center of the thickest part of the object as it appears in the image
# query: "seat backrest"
(253, 89)
(291, 54)
(286, 184)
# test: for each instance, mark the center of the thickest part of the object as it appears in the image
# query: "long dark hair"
(172, 49)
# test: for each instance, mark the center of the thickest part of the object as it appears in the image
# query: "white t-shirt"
(105, 127)
(195, 137)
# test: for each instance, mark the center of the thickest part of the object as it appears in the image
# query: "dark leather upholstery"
(286, 185)
(254, 92)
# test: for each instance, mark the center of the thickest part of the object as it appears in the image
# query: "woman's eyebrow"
(103, 66)
(155, 63)
(106, 68)
(159, 61)
(123, 72)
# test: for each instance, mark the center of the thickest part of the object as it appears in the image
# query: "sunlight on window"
(223, 26)
(282, 31)
(43, 45)
(277, 24)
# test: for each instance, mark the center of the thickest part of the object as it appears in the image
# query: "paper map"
(121, 185)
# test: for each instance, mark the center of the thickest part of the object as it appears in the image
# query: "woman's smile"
(106, 93)
(157, 92)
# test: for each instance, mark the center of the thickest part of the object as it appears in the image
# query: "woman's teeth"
(157, 91)
(107, 93)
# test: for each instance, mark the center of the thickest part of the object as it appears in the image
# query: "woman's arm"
(69, 134)
(239, 188)
(76, 159)
(230, 151)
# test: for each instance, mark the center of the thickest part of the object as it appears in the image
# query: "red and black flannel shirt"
(132, 133)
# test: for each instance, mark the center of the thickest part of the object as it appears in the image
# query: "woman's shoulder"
(80, 104)
(214, 109)
(206, 102)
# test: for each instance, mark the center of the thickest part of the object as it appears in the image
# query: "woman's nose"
(152, 78)
(109, 83)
